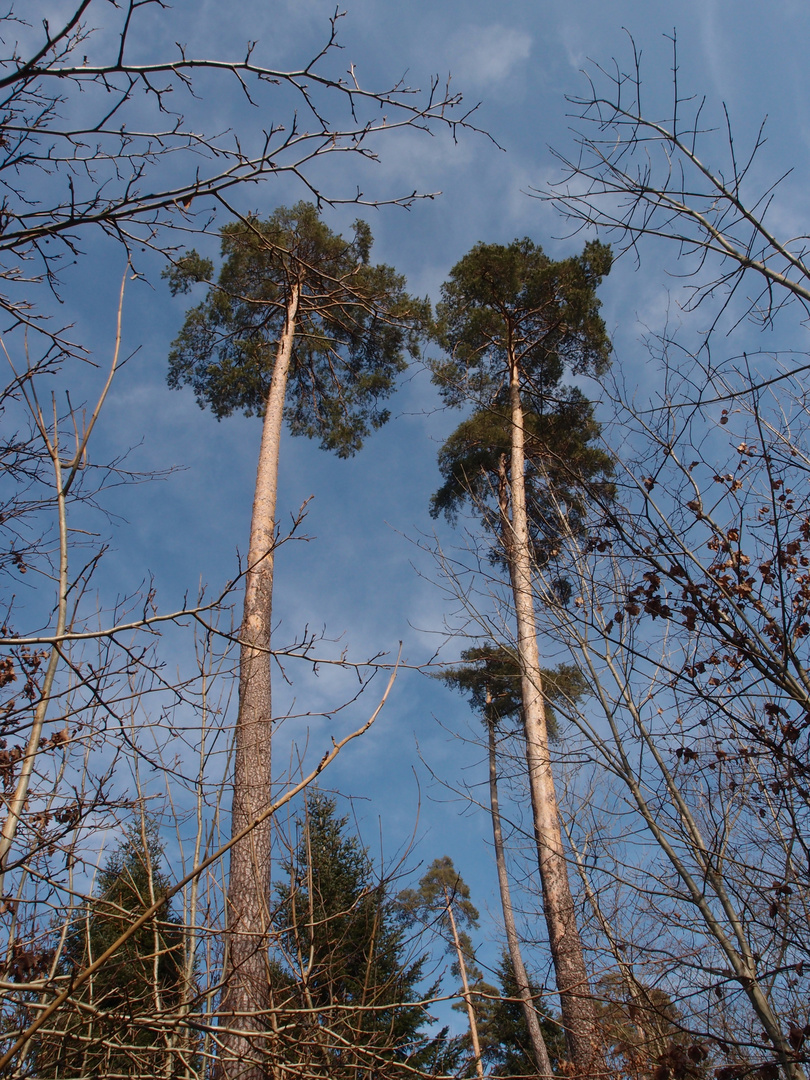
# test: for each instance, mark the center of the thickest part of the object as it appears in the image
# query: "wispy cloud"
(484, 56)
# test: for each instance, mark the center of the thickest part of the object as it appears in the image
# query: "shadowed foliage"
(504, 1034)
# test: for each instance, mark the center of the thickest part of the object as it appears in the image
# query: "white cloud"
(485, 55)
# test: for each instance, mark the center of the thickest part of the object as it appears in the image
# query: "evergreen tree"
(118, 1023)
(508, 1048)
(350, 323)
(513, 323)
(300, 324)
(346, 993)
(489, 676)
(562, 463)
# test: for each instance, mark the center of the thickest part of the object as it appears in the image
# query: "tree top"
(354, 326)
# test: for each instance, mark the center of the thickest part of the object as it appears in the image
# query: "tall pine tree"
(513, 323)
(299, 325)
(490, 676)
(442, 903)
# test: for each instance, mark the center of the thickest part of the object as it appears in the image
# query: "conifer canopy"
(355, 326)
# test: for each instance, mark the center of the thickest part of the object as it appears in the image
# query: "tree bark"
(576, 1003)
(246, 994)
(539, 1050)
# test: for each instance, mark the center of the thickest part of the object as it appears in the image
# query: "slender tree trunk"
(576, 1003)
(246, 997)
(541, 1058)
(462, 967)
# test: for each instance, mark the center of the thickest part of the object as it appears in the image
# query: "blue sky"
(364, 575)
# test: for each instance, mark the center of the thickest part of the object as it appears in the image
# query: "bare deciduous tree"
(634, 177)
(96, 137)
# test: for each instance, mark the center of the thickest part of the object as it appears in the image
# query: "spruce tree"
(508, 1044)
(121, 1020)
(346, 993)
(299, 325)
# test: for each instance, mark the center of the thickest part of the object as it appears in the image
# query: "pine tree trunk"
(462, 968)
(539, 1051)
(576, 1003)
(246, 997)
